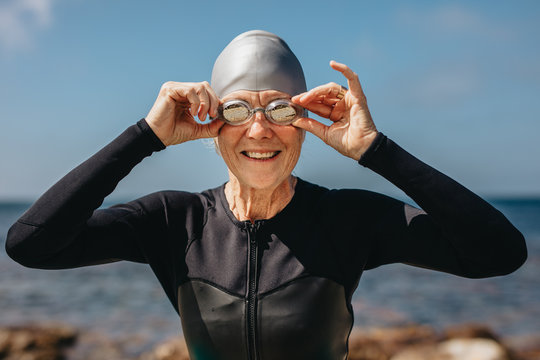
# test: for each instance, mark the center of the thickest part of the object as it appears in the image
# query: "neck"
(248, 203)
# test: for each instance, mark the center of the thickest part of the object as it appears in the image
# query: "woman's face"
(260, 154)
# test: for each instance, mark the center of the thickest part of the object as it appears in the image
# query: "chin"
(264, 182)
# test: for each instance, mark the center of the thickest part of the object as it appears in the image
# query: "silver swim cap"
(257, 60)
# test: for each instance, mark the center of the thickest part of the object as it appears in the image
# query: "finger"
(336, 115)
(205, 103)
(338, 112)
(193, 98)
(174, 91)
(352, 78)
(214, 127)
(329, 99)
(214, 101)
(318, 93)
(297, 97)
(210, 130)
(313, 126)
(319, 109)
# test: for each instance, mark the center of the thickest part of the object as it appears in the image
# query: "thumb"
(313, 126)
(212, 129)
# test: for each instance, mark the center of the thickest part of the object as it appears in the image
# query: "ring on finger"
(342, 92)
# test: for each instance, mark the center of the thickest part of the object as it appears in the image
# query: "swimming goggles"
(279, 112)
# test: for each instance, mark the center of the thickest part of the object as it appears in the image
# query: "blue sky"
(455, 83)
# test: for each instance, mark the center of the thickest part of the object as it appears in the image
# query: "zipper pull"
(258, 225)
(253, 228)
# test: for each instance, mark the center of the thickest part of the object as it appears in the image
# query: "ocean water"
(124, 299)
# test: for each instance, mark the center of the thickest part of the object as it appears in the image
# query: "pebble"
(455, 349)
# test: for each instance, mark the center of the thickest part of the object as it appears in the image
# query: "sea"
(124, 299)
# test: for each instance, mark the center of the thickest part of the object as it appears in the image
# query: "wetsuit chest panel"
(220, 257)
(290, 252)
(306, 319)
(213, 322)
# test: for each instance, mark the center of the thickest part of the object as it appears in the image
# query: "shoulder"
(346, 204)
(339, 196)
(168, 204)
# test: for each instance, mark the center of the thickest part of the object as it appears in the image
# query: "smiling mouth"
(260, 155)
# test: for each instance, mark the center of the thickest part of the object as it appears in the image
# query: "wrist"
(365, 158)
(366, 143)
(150, 128)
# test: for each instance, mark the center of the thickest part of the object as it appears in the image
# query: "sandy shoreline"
(418, 342)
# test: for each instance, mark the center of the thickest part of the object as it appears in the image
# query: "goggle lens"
(282, 113)
(235, 112)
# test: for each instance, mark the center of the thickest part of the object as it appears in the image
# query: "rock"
(36, 342)
(380, 344)
(95, 346)
(525, 346)
(361, 348)
(477, 349)
(468, 331)
(174, 349)
(418, 352)
(456, 349)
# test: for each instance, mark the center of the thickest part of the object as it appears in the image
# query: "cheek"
(227, 142)
(294, 142)
(296, 139)
(224, 143)
(225, 152)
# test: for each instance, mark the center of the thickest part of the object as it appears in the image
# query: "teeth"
(258, 155)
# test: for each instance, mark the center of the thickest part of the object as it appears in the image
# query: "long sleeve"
(457, 231)
(45, 235)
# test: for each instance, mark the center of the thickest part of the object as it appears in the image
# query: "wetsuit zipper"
(252, 292)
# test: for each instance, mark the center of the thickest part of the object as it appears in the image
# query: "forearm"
(60, 214)
(485, 241)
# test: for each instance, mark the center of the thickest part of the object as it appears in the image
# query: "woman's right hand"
(172, 117)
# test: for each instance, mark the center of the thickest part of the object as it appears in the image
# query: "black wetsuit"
(279, 288)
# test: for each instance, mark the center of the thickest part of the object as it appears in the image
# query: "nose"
(259, 127)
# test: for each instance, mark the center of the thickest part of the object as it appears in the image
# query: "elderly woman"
(264, 266)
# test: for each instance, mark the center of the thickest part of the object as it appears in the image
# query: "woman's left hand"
(353, 130)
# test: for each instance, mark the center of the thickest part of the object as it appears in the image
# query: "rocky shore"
(415, 342)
